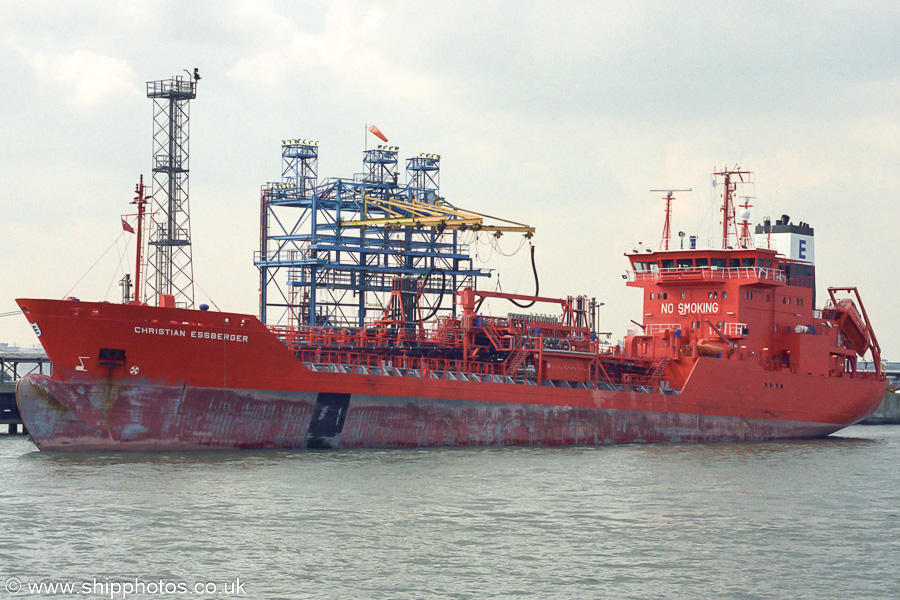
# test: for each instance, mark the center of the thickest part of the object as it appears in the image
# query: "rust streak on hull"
(170, 418)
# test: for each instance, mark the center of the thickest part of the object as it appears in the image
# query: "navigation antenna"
(746, 240)
(170, 272)
(667, 227)
(728, 220)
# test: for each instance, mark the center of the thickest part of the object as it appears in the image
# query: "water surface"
(813, 519)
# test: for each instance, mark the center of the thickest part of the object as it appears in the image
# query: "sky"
(560, 115)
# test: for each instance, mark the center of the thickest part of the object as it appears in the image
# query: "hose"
(537, 288)
(437, 306)
(537, 284)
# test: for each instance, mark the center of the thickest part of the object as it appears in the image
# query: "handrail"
(709, 273)
(653, 328)
(374, 351)
(734, 329)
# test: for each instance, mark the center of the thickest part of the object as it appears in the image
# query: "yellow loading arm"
(439, 215)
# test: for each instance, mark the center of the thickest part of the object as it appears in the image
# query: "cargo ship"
(730, 348)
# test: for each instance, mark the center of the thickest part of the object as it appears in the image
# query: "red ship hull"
(133, 377)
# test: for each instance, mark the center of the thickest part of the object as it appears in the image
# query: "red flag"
(377, 132)
(126, 226)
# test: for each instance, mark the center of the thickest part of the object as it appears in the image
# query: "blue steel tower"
(329, 251)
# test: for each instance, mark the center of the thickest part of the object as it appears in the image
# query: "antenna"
(667, 228)
(745, 240)
(728, 191)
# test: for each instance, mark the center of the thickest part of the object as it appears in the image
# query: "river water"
(812, 519)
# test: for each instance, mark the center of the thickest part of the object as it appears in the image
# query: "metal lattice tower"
(169, 266)
(424, 175)
(317, 268)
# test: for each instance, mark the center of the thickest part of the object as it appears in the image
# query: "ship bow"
(58, 417)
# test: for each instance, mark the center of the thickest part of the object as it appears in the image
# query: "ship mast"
(667, 227)
(728, 220)
(140, 200)
(746, 239)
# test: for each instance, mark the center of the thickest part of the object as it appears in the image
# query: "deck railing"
(711, 273)
(734, 329)
(654, 328)
(729, 329)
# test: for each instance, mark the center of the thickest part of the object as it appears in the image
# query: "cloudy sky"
(561, 115)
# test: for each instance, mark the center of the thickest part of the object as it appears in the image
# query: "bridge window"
(702, 262)
(640, 267)
(718, 263)
(668, 263)
(685, 263)
(734, 263)
(748, 262)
